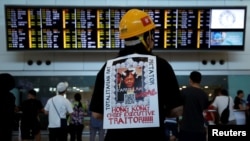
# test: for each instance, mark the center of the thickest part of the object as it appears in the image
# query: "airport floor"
(45, 138)
(44, 135)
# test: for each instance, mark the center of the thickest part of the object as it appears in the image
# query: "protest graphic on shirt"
(131, 92)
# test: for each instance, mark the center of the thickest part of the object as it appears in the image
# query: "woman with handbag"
(76, 121)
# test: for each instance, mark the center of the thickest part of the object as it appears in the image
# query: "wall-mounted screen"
(97, 28)
(226, 38)
(227, 19)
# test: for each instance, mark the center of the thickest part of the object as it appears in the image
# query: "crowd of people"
(178, 114)
(57, 108)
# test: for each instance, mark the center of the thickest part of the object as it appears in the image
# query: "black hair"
(216, 92)
(239, 92)
(78, 98)
(224, 92)
(195, 76)
(32, 92)
(7, 81)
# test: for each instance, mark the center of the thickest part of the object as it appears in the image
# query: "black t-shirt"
(168, 97)
(237, 102)
(30, 109)
(7, 107)
(195, 102)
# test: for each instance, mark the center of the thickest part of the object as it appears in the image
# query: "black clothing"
(192, 126)
(28, 132)
(58, 134)
(168, 98)
(195, 102)
(30, 109)
(192, 136)
(7, 106)
(237, 102)
(75, 132)
(171, 129)
(30, 124)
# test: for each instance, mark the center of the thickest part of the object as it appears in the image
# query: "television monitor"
(226, 38)
(227, 18)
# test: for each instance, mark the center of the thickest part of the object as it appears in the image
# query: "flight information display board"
(97, 28)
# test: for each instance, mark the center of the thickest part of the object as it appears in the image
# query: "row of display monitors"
(97, 28)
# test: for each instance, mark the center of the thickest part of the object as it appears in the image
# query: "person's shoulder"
(191, 89)
(38, 101)
(188, 88)
(220, 97)
(204, 92)
(163, 63)
(101, 71)
(184, 90)
(160, 58)
(68, 102)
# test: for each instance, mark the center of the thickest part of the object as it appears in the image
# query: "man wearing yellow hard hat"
(161, 95)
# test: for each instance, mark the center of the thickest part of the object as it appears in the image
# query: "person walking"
(76, 120)
(57, 108)
(192, 126)
(160, 87)
(30, 122)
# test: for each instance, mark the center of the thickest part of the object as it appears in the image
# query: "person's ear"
(149, 41)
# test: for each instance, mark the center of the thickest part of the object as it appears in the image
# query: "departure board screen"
(97, 28)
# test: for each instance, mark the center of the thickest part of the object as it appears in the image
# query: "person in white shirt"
(57, 108)
(221, 102)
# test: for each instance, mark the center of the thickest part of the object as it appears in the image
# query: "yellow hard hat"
(135, 22)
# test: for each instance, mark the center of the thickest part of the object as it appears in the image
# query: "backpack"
(224, 118)
(77, 116)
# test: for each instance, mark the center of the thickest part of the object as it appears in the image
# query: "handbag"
(224, 118)
(63, 121)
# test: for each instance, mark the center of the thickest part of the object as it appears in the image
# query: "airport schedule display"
(97, 28)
